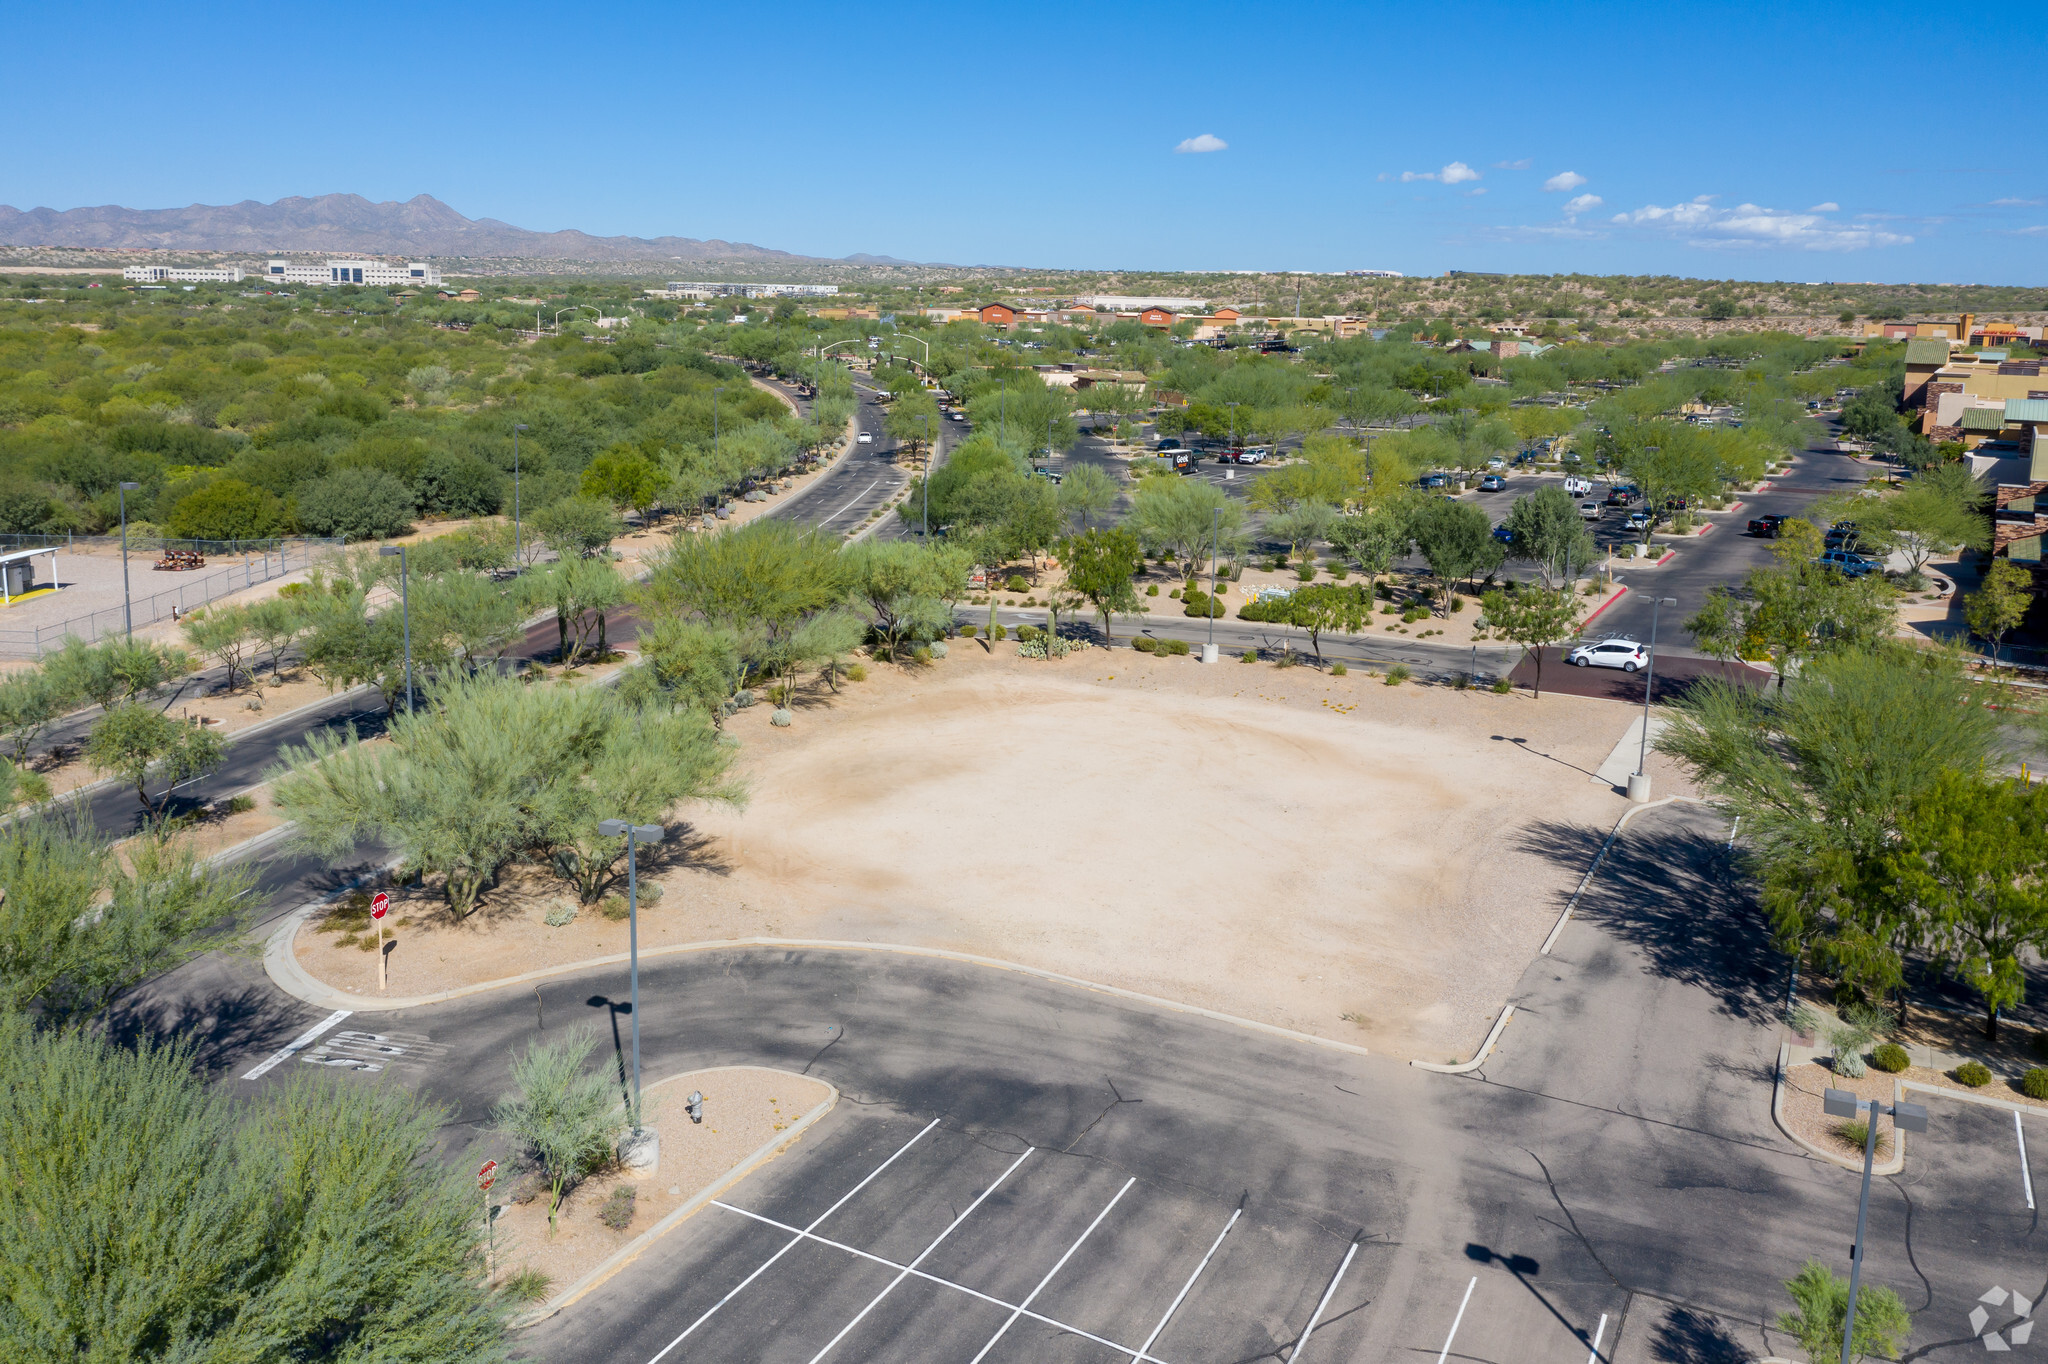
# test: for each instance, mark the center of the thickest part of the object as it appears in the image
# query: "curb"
(632, 1250)
(1890, 1167)
(284, 971)
(1944, 1092)
(1485, 1049)
(1603, 606)
(801, 493)
(1598, 857)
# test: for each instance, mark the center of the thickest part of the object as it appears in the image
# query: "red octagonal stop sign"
(379, 903)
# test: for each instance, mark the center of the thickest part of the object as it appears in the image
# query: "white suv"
(1624, 654)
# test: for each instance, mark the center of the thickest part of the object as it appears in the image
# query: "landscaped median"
(750, 1115)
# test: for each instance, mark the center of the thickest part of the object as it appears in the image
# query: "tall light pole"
(516, 429)
(404, 614)
(635, 834)
(127, 612)
(1843, 1103)
(1233, 424)
(1215, 541)
(1639, 780)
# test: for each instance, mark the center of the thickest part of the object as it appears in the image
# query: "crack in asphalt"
(1115, 1102)
(1581, 1236)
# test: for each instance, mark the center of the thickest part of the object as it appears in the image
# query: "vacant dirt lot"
(1371, 863)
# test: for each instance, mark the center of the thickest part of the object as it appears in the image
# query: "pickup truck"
(1766, 527)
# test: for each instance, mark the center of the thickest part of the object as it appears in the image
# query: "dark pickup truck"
(1766, 526)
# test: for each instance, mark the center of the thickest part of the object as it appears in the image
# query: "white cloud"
(1207, 142)
(1701, 223)
(1562, 181)
(1829, 207)
(1473, 193)
(2037, 231)
(1457, 173)
(2016, 203)
(1523, 164)
(1584, 203)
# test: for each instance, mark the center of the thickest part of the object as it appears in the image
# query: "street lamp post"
(1215, 540)
(127, 611)
(635, 834)
(1639, 780)
(1233, 424)
(1843, 1103)
(516, 429)
(404, 614)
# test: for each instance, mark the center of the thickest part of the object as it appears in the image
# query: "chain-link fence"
(259, 565)
(163, 544)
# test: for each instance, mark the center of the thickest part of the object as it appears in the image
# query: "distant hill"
(421, 226)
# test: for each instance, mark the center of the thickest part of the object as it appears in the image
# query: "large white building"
(689, 289)
(372, 272)
(1139, 302)
(181, 274)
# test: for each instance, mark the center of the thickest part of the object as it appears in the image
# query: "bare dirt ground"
(1364, 862)
(744, 1108)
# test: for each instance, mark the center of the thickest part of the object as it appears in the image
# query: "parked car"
(1048, 475)
(1590, 511)
(1624, 654)
(1496, 463)
(1434, 481)
(1622, 497)
(1574, 486)
(1526, 457)
(1847, 563)
(1841, 535)
(1766, 527)
(1492, 483)
(1168, 443)
(1253, 454)
(1638, 520)
(1503, 534)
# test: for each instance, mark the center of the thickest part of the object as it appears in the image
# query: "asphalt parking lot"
(894, 1238)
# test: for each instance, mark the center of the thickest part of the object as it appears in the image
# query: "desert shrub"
(969, 631)
(1248, 656)
(1001, 631)
(1501, 686)
(1173, 646)
(1390, 610)
(1398, 674)
(1457, 605)
(1152, 589)
(922, 654)
(1972, 1073)
(1804, 1020)
(1461, 681)
(526, 1285)
(938, 648)
(2034, 1084)
(1199, 603)
(1288, 659)
(617, 1212)
(1856, 1132)
(560, 916)
(613, 907)
(857, 672)
(1338, 670)
(1175, 594)
(1145, 644)
(1016, 584)
(1890, 1058)
(1027, 634)
(1307, 573)
(239, 805)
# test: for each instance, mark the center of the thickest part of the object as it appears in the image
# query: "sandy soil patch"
(1804, 1088)
(744, 1108)
(1334, 855)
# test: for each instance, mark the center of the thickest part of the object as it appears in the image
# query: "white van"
(1574, 486)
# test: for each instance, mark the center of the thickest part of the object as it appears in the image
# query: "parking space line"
(298, 1044)
(2026, 1175)
(1463, 1302)
(1057, 1266)
(929, 1277)
(795, 1240)
(1328, 1293)
(1178, 1297)
(1598, 1332)
(911, 1268)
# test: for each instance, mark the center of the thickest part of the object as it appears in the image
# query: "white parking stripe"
(794, 1241)
(2026, 1176)
(911, 1268)
(299, 1043)
(1462, 1303)
(1328, 1293)
(929, 1277)
(1060, 1264)
(1178, 1297)
(1598, 1332)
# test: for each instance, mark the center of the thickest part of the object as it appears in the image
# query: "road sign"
(485, 1177)
(379, 903)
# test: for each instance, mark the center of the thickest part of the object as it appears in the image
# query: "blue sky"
(1788, 141)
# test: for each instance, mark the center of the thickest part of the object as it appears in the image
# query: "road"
(1612, 1169)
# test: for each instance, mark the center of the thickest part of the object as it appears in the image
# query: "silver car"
(1624, 654)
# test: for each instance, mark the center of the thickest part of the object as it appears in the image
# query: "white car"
(866, 439)
(1624, 654)
(1590, 511)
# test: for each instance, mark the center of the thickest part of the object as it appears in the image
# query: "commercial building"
(1971, 396)
(365, 272)
(180, 274)
(719, 289)
(1138, 302)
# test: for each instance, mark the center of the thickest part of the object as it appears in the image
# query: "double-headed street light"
(1843, 1103)
(1639, 780)
(127, 612)
(404, 614)
(635, 835)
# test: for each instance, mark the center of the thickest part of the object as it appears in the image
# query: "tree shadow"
(1674, 892)
(1684, 1336)
(219, 1028)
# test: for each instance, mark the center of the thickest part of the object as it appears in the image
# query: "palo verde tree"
(1100, 566)
(1457, 541)
(564, 1113)
(1548, 532)
(139, 744)
(1535, 618)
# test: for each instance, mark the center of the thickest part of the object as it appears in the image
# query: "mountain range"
(421, 226)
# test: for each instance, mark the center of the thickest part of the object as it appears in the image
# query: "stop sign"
(379, 903)
(484, 1176)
